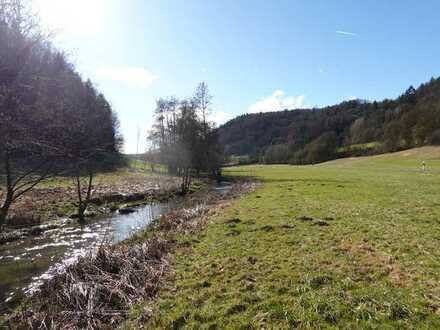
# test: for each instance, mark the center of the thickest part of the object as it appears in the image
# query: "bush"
(298, 158)
(276, 154)
(435, 137)
(321, 149)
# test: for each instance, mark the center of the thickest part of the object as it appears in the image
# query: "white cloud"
(346, 33)
(131, 76)
(219, 117)
(277, 102)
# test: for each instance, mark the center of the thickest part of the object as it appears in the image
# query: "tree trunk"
(81, 210)
(83, 203)
(3, 215)
(186, 180)
(217, 175)
(183, 173)
(9, 194)
(4, 210)
(182, 187)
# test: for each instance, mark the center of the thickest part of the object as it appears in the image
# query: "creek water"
(26, 263)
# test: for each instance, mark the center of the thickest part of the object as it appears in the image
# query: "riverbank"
(56, 198)
(123, 202)
(100, 289)
(42, 208)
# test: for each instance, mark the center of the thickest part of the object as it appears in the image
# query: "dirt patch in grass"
(233, 221)
(321, 223)
(267, 228)
(368, 261)
(233, 232)
(304, 218)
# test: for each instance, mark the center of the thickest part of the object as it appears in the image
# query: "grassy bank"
(347, 244)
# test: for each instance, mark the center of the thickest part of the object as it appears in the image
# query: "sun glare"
(78, 17)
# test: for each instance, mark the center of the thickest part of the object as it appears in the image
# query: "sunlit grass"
(373, 263)
(360, 146)
(109, 178)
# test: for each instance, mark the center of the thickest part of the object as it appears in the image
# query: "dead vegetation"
(98, 290)
(369, 261)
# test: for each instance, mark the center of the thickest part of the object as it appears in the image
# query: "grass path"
(370, 257)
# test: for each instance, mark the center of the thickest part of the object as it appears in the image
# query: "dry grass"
(98, 291)
(367, 260)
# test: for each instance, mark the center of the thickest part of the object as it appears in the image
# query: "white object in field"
(423, 166)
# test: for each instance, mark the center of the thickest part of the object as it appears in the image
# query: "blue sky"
(254, 55)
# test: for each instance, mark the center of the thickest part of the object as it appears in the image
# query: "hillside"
(409, 158)
(350, 128)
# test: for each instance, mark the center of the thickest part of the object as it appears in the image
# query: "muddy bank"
(56, 200)
(99, 289)
(101, 204)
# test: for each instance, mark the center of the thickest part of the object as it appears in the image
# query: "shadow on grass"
(287, 180)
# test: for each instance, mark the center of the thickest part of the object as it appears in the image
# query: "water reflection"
(25, 264)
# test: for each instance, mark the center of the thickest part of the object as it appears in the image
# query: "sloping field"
(352, 244)
(411, 159)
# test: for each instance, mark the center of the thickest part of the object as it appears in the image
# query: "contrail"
(345, 33)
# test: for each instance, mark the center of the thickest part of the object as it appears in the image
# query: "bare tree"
(93, 142)
(184, 139)
(51, 121)
(202, 100)
(26, 152)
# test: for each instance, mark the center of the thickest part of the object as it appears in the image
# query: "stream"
(26, 263)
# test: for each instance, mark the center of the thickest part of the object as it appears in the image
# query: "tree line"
(183, 138)
(52, 121)
(351, 128)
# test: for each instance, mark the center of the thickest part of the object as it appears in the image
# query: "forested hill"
(349, 128)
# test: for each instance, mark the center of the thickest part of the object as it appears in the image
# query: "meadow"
(352, 243)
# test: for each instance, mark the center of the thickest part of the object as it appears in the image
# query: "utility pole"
(138, 138)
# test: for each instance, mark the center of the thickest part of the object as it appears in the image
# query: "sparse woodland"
(51, 120)
(184, 139)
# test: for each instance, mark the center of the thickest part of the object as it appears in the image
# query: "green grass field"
(372, 262)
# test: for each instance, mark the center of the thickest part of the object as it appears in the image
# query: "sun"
(73, 17)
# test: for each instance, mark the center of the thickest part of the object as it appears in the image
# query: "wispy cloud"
(276, 102)
(132, 76)
(346, 33)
